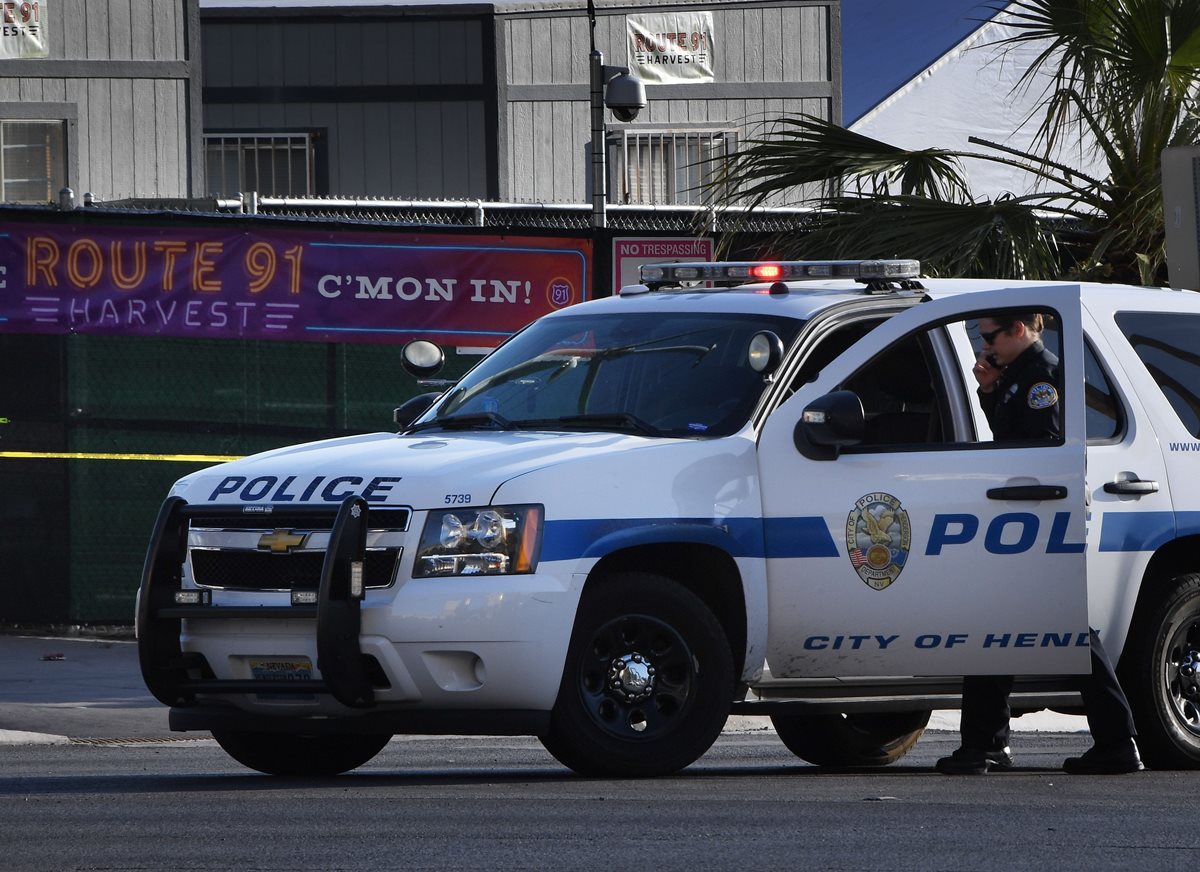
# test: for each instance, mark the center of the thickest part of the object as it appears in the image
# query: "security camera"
(624, 94)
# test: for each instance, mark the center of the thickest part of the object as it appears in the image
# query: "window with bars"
(667, 167)
(274, 164)
(33, 160)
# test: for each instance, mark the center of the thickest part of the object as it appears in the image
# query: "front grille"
(262, 570)
(231, 550)
(377, 519)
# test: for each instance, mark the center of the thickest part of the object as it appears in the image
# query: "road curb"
(21, 737)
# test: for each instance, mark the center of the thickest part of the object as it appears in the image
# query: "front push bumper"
(176, 678)
(183, 680)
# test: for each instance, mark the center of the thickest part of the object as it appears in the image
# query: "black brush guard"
(167, 670)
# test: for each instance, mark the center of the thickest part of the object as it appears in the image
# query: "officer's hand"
(986, 373)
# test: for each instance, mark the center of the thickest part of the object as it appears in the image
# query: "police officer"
(1019, 391)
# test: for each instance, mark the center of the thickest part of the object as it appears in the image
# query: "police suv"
(758, 488)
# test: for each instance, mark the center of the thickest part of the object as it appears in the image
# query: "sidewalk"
(53, 690)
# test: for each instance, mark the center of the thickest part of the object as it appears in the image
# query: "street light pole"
(616, 89)
(599, 174)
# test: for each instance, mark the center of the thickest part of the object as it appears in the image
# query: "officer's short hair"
(1033, 321)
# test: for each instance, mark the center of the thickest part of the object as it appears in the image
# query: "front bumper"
(478, 655)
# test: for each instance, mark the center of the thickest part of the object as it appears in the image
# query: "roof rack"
(878, 275)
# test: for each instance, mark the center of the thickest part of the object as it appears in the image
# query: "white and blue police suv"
(739, 487)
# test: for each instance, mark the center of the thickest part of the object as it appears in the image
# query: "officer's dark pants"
(985, 709)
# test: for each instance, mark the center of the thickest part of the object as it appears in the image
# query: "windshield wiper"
(623, 421)
(699, 351)
(476, 420)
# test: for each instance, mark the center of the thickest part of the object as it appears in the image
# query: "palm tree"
(1124, 75)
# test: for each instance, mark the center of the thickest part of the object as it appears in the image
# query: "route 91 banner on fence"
(281, 284)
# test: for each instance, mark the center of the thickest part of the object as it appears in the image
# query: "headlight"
(498, 540)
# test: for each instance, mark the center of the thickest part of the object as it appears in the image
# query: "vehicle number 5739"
(457, 499)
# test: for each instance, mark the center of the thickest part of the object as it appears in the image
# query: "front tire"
(1163, 678)
(286, 754)
(851, 740)
(648, 680)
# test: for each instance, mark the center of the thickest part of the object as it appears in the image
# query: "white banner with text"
(671, 47)
(23, 29)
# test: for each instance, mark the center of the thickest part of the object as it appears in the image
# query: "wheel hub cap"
(1189, 675)
(631, 677)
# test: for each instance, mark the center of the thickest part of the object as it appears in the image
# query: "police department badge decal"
(878, 539)
(1042, 395)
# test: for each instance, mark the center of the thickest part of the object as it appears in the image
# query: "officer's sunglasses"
(989, 336)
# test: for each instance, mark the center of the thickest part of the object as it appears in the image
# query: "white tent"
(972, 91)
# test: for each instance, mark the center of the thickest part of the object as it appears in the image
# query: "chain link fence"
(528, 217)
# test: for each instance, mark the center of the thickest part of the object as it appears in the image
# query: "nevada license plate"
(281, 669)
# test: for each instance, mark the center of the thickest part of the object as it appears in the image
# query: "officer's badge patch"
(1042, 395)
(878, 539)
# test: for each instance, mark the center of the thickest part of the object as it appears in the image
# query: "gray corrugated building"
(490, 100)
(102, 95)
(416, 99)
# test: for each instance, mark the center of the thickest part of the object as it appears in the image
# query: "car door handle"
(1134, 486)
(1028, 492)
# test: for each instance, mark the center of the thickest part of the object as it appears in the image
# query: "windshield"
(644, 373)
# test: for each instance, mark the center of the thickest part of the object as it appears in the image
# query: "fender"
(596, 538)
(591, 540)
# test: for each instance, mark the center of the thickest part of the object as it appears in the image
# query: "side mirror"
(422, 358)
(828, 424)
(765, 352)
(413, 408)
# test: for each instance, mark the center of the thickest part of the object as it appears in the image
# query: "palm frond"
(1007, 238)
(804, 151)
(1124, 83)
(1183, 67)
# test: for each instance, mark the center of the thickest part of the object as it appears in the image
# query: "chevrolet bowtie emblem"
(281, 541)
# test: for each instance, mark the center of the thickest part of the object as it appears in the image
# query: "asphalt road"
(91, 778)
(449, 803)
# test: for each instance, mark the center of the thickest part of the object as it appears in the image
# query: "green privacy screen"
(94, 430)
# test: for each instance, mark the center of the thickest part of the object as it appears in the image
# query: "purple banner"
(282, 284)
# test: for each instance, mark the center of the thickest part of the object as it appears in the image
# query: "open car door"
(940, 552)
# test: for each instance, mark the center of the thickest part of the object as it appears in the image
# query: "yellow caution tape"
(87, 455)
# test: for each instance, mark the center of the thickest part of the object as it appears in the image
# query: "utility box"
(1181, 209)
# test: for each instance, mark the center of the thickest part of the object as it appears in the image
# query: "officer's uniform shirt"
(1024, 403)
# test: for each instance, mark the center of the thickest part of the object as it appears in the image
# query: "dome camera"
(625, 95)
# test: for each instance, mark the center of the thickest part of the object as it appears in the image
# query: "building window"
(33, 160)
(668, 167)
(272, 164)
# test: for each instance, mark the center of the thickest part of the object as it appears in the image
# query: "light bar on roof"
(782, 270)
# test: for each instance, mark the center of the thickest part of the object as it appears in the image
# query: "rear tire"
(648, 681)
(1162, 677)
(286, 754)
(851, 740)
